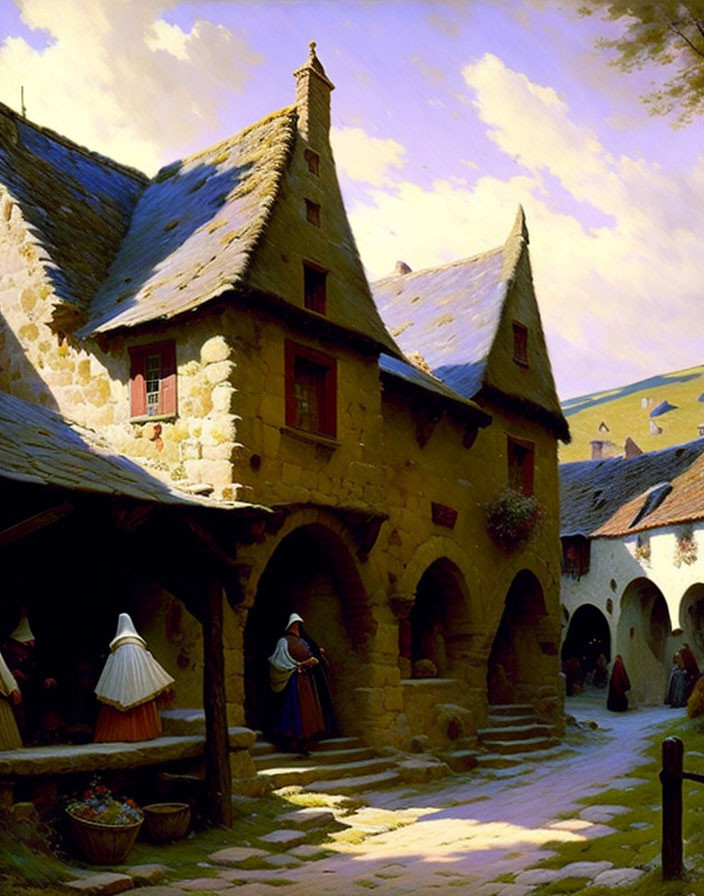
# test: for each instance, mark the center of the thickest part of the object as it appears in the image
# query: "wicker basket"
(166, 821)
(103, 844)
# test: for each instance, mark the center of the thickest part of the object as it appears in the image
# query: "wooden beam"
(35, 523)
(218, 776)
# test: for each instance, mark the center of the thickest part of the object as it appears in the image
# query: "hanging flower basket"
(685, 548)
(512, 518)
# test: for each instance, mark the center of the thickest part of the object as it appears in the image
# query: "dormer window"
(521, 461)
(314, 287)
(312, 212)
(520, 344)
(153, 379)
(312, 161)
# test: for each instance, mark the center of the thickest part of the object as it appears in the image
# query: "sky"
(446, 116)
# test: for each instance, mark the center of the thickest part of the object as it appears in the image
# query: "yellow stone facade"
(357, 593)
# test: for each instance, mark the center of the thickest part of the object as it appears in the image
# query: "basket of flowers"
(104, 827)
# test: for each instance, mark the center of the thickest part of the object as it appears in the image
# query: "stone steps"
(322, 757)
(305, 772)
(514, 729)
(346, 786)
(510, 760)
(515, 732)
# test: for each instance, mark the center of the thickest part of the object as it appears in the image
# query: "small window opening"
(312, 161)
(520, 344)
(313, 212)
(314, 288)
(521, 460)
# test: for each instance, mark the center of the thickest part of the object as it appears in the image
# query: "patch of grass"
(639, 847)
(566, 885)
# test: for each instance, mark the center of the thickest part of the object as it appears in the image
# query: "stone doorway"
(434, 640)
(588, 638)
(644, 630)
(520, 658)
(311, 573)
(692, 619)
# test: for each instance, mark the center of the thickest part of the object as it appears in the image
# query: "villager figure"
(36, 714)
(691, 667)
(617, 701)
(677, 689)
(572, 670)
(600, 675)
(130, 682)
(299, 674)
(10, 695)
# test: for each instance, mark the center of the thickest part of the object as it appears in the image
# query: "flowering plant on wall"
(512, 518)
(642, 551)
(685, 547)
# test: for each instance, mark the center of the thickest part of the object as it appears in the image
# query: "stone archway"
(311, 573)
(520, 659)
(588, 637)
(692, 619)
(642, 640)
(436, 634)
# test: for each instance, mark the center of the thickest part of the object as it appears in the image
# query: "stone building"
(215, 325)
(633, 572)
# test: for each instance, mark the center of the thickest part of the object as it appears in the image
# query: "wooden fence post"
(671, 779)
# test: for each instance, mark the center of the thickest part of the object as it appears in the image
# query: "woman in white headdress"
(128, 687)
(9, 696)
(297, 675)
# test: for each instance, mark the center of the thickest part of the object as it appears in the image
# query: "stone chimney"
(313, 89)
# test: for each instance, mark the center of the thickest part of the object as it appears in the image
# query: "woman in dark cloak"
(677, 690)
(617, 701)
(691, 667)
(303, 709)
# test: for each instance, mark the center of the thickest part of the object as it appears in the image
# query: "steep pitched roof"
(678, 501)
(77, 203)
(40, 446)
(449, 314)
(195, 227)
(453, 314)
(594, 492)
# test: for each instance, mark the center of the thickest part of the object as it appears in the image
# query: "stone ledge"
(67, 759)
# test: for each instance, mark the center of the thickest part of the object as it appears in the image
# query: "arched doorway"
(692, 619)
(520, 658)
(642, 640)
(435, 637)
(588, 638)
(310, 573)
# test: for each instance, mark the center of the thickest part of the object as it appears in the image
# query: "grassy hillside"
(626, 412)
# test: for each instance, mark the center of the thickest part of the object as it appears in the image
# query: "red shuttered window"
(311, 390)
(153, 379)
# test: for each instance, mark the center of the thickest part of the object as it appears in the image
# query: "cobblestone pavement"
(465, 832)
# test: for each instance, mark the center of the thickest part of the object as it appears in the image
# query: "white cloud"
(616, 300)
(364, 158)
(120, 79)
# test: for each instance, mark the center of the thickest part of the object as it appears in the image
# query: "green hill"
(613, 415)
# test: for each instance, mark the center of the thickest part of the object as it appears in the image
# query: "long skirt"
(299, 715)
(9, 733)
(142, 722)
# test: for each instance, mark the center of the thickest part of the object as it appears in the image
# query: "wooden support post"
(218, 778)
(671, 779)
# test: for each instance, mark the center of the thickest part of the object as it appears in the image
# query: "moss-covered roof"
(605, 496)
(195, 227)
(42, 447)
(77, 204)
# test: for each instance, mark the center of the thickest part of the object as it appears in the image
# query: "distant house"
(663, 408)
(214, 325)
(636, 587)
